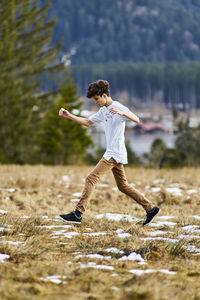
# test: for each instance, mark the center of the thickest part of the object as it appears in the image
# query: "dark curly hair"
(99, 88)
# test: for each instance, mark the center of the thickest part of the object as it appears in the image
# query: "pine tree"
(63, 141)
(25, 54)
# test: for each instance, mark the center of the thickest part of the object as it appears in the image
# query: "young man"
(113, 115)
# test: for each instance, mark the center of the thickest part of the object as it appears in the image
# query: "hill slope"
(101, 31)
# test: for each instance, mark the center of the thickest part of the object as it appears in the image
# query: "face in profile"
(100, 100)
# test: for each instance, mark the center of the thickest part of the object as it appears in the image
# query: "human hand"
(116, 111)
(64, 113)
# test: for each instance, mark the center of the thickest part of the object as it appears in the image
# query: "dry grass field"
(110, 255)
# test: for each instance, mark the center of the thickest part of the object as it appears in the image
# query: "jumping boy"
(113, 115)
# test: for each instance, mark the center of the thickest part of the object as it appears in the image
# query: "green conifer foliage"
(63, 141)
(25, 52)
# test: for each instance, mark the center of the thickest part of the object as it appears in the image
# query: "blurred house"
(149, 128)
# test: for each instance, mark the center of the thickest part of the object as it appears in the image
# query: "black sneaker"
(71, 218)
(151, 214)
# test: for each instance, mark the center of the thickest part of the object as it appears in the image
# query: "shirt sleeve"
(96, 118)
(126, 110)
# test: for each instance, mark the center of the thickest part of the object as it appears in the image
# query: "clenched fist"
(64, 113)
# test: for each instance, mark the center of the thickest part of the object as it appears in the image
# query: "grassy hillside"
(51, 260)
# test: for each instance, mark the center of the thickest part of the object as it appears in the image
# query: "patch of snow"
(103, 184)
(77, 194)
(174, 190)
(4, 212)
(156, 181)
(55, 226)
(68, 235)
(124, 235)
(55, 279)
(192, 191)
(187, 236)
(191, 228)
(159, 238)
(132, 256)
(119, 230)
(157, 232)
(164, 223)
(192, 248)
(166, 217)
(117, 217)
(155, 189)
(3, 257)
(12, 243)
(75, 200)
(11, 190)
(95, 233)
(66, 179)
(59, 196)
(142, 272)
(94, 256)
(94, 265)
(114, 288)
(115, 189)
(196, 217)
(114, 250)
(114, 274)
(25, 217)
(4, 229)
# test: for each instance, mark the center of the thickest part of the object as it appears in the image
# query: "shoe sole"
(71, 222)
(153, 217)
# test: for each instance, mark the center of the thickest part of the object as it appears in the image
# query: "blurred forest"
(150, 49)
(102, 31)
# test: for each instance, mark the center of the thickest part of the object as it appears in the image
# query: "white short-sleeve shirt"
(114, 127)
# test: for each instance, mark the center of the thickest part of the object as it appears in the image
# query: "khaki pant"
(119, 173)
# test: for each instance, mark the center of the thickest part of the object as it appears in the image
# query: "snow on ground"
(192, 191)
(10, 190)
(93, 256)
(75, 200)
(117, 217)
(196, 217)
(55, 279)
(174, 190)
(160, 239)
(94, 265)
(3, 257)
(12, 243)
(187, 236)
(114, 250)
(55, 226)
(165, 217)
(4, 212)
(132, 256)
(155, 189)
(77, 194)
(139, 272)
(63, 233)
(162, 223)
(95, 233)
(191, 228)
(157, 232)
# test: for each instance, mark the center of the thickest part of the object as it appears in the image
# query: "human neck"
(108, 101)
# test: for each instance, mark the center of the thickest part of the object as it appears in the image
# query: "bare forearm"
(80, 120)
(132, 117)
